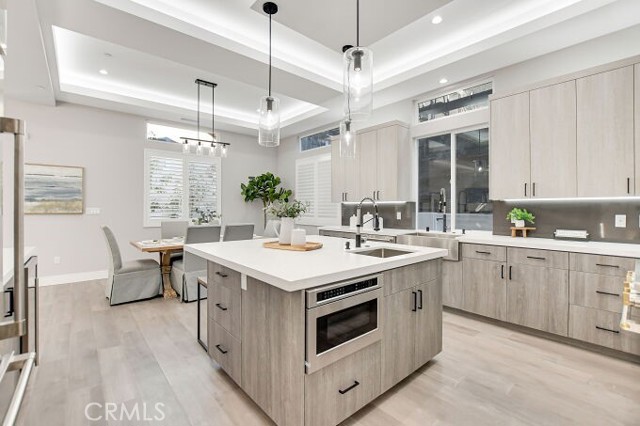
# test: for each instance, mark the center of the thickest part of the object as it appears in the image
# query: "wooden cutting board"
(276, 245)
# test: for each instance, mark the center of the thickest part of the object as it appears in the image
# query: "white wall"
(110, 146)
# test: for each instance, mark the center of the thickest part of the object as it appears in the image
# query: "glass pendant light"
(358, 78)
(269, 124)
(347, 139)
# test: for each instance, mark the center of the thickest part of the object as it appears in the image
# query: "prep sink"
(434, 239)
(383, 252)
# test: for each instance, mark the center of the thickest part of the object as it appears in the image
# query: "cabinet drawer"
(534, 257)
(224, 305)
(219, 274)
(226, 350)
(400, 279)
(596, 291)
(339, 390)
(604, 265)
(601, 328)
(484, 252)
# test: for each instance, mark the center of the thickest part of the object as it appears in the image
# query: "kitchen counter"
(293, 271)
(587, 247)
(390, 232)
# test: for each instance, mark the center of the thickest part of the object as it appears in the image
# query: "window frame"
(304, 135)
(453, 201)
(315, 220)
(186, 159)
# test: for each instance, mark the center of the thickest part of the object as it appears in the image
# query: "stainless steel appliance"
(342, 318)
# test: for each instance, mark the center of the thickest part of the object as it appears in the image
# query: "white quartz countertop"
(7, 261)
(588, 247)
(390, 232)
(294, 271)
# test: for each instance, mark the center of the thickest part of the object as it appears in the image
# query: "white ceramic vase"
(519, 223)
(286, 226)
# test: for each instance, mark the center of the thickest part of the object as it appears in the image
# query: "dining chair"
(130, 281)
(172, 229)
(185, 272)
(237, 232)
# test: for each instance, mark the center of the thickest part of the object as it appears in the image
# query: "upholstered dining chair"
(237, 232)
(130, 281)
(185, 272)
(172, 229)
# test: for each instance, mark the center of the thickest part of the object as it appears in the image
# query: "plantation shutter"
(203, 188)
(164, 188)
(313, 185)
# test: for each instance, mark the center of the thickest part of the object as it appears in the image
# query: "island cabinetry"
(339, 390)
(452, 288)
(412, 320)
(538, 289)
(224, 307)
(273, 351)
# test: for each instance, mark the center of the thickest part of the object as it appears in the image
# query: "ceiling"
(153, 50)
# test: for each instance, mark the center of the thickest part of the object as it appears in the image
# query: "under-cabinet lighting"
(355, 203)
(570, 200)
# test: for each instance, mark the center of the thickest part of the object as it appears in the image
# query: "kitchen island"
(312, 337)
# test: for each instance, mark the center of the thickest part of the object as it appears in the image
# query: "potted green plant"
(264, 188)
(206, 216)
(519, 216)
(287, 212)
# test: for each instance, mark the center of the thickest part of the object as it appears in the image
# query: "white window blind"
(177, 184)
(313, 185)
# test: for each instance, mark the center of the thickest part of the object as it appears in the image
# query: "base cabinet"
(452, 288)
(601, 328)
(339, 390)
(485, 291)
(412, 330)
(226, 350)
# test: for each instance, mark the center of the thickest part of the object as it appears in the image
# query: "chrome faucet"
(442, 208)
(360, 223)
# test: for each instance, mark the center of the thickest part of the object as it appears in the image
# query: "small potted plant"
(519, 217)
(287, 211)
(206, 217)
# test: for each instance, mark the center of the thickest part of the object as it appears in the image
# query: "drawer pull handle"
(536, 258)
(510, 273)
(219, 306)
(607, 329)
(219, 347)
(220, 274)
(606, 293)
(483, 252)
(343, 391)
(502, 272)
(604, 265)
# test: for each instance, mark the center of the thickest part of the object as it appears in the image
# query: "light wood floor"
(147, 352)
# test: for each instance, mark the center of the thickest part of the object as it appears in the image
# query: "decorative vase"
(286, 226)
(519, 223)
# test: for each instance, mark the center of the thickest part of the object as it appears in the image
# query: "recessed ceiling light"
(103, 72)
(436, 19)
(443, 81)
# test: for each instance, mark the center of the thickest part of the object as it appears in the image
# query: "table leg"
(169, 293)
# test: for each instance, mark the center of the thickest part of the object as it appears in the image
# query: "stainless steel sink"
(434, 239)
(382, 252)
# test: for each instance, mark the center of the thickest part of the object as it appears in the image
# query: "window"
(463, 100)
(466, 155)
(313, 185)
(318, 140)
(176, 185)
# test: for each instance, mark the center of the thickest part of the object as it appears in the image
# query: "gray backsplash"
(388, 211)
(597, 217)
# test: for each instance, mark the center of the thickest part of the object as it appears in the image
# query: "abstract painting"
(53, 189)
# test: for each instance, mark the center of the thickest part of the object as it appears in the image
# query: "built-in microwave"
(341, 319)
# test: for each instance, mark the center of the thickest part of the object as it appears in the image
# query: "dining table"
(165, 247)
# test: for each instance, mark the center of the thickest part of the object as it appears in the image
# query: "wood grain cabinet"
(606, 164)
(452, 284)
(538, 289)
(485, 291)
(380, 169)
(510, 158)
(553, 141)
(412, 329)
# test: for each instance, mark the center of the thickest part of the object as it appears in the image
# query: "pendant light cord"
(270, 54)
(198, 111)
(358, 23)
(213, 114)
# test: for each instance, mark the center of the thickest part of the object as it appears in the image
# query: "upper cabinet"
(509, 155)
(605, 134)
(382, 169)
(553, 141)
(570, 139)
